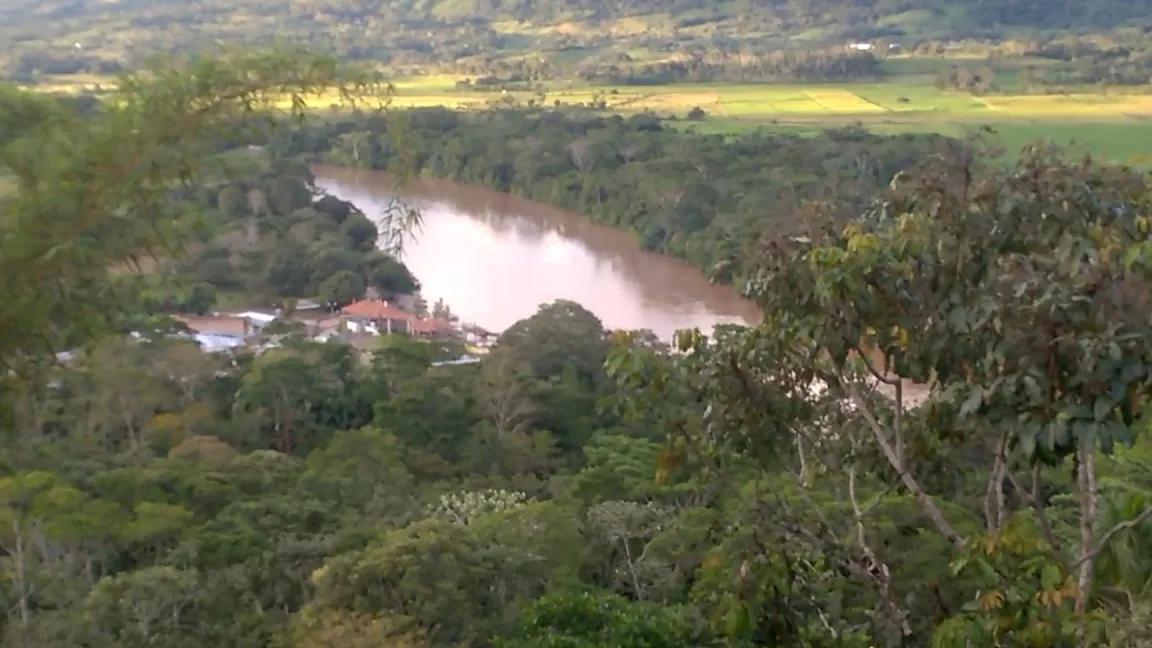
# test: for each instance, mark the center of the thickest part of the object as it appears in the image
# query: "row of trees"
(803, 66)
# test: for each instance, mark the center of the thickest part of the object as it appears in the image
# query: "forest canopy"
(936, 437)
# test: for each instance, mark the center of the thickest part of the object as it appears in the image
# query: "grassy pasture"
(1114, 125)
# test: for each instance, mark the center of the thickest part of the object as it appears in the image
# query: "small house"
(256, 319)
(432, 328)
(377, 315)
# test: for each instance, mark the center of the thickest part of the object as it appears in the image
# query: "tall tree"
(91, 192)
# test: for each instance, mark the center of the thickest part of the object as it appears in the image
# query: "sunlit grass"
(1114, 125)
(842, 102)
(782, 102)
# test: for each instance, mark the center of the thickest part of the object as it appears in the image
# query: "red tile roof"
(376, 309)
(214, 324)
(432, 325)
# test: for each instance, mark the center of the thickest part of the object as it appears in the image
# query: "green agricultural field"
(1114, 125)
(1117, 126)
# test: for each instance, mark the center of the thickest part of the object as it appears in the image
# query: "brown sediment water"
(495, 258)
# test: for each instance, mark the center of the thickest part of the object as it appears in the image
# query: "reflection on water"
(494, 258)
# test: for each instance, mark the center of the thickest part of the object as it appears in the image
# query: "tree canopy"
(937, 436)
(90, 192)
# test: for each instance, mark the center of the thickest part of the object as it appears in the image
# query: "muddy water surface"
(494, 258)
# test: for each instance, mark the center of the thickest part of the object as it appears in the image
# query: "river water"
(495, 258)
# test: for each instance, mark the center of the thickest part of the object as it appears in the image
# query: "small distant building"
(377, 315)
(326, 329)
(214, 342)
(217, 324)
(861, 47)
(433, 327)
(306, 305)
(477, 336)
(257, 319)
(462, 360)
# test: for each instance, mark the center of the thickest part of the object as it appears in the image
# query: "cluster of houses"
(357, 323)
(869, 47)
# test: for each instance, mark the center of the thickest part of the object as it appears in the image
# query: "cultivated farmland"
(1117, 125)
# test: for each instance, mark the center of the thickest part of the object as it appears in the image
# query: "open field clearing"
(1115, 125)
(786, 102)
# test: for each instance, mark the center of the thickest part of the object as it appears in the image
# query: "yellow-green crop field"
(1114, 125)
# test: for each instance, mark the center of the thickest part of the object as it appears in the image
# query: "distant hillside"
(71, 36)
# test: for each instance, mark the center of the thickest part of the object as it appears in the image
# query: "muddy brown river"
(494, 258)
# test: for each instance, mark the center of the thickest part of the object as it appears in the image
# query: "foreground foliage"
(94, 191)
(936, 437)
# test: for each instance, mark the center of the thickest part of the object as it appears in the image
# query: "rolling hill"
(97, 36)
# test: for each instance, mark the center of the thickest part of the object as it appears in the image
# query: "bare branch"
(1144, 516)
(1035, 499)
(878, 570)
(895, 382)
(929, 507)
(994, 504)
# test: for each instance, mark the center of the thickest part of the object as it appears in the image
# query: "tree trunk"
(927, 505)
(21, 575)
(1089, 511)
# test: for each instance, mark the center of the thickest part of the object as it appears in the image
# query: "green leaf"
(1118, 390)
(958, 318)
(1102, 408)
(1027, 445)
(1051, 577)
(1133, 370)
(972, 403)
(1033, 388)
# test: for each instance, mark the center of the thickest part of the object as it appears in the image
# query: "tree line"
(701, 198)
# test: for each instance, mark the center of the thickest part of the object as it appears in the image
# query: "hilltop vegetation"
(88, 36)
(264, 236)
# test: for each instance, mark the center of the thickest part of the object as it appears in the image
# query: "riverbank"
(495, 258)
(707, 200)
(262, 238)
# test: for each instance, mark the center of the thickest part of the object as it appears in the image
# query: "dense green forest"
(561, 38)
(706, 199)
(937, 436)
(261, 236)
